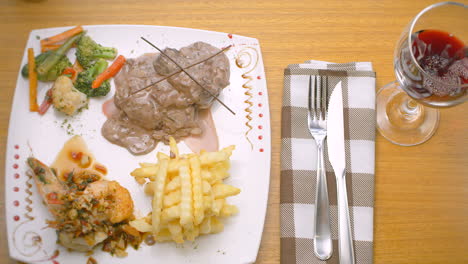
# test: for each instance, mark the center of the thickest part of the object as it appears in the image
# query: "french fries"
(158, 190)
(186, 209)
(198, 208)
(189, 196)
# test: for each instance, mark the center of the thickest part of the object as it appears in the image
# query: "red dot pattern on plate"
(17, 156)
(260, 115)
(260, 137)
(260, 105)
(260, 127)
(16, 203)
(230, 35)
(258, 77)
(16, 147)
(55, 262)
(17, 175)
(16, 218)
(16, 189)
(261, 150)
(15, 166)
(260, 93)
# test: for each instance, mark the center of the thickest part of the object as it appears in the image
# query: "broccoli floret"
(53, 73)
(88, 51)
(85, 79)
(50, 64)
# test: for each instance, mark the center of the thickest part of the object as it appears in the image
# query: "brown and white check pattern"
(298, 161)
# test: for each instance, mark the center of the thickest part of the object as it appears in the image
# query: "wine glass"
(431, 66)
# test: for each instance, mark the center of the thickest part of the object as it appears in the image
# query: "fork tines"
(318, 96)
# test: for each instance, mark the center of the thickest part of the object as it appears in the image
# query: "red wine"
(443, 57)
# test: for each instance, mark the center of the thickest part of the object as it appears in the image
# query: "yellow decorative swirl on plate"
(28, 198)
(247, 59)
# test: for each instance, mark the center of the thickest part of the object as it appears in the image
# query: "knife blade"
(337, 157)
(335, 125)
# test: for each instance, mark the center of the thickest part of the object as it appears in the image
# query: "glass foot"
(402, 120)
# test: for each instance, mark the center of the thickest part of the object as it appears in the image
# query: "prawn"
(49, 186)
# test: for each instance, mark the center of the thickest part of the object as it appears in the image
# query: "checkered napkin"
(299, 158)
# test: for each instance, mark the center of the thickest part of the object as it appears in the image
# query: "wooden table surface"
(421, 196)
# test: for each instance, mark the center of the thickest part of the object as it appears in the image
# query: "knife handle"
(323, 247)
(345, 239)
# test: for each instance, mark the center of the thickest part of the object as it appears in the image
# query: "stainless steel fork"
(317, 121)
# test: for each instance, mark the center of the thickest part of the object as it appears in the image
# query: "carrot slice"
(62, 36)
(33, 107)
(77, 68)
(49, 47)
(70, 71)
(109, 72)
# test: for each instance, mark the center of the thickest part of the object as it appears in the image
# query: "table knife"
(337, 157)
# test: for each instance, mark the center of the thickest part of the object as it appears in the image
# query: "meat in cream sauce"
(139, 120)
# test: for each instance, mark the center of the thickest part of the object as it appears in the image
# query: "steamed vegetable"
(46, 103)
(54, 72)
(66, 98)
(85, 80)
(56, 56)
(49, 47)
(110, 72)
(50, 65)
(62, 36)
(33, 107)
(70, 72)
(88, 51)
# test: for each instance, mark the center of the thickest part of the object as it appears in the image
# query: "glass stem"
(410, 109)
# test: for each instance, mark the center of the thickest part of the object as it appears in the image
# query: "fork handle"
(345, 240)
(323, 248)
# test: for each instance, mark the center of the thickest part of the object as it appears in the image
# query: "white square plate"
(43, 137)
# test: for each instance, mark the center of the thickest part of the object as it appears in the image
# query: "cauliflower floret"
(66, 98)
